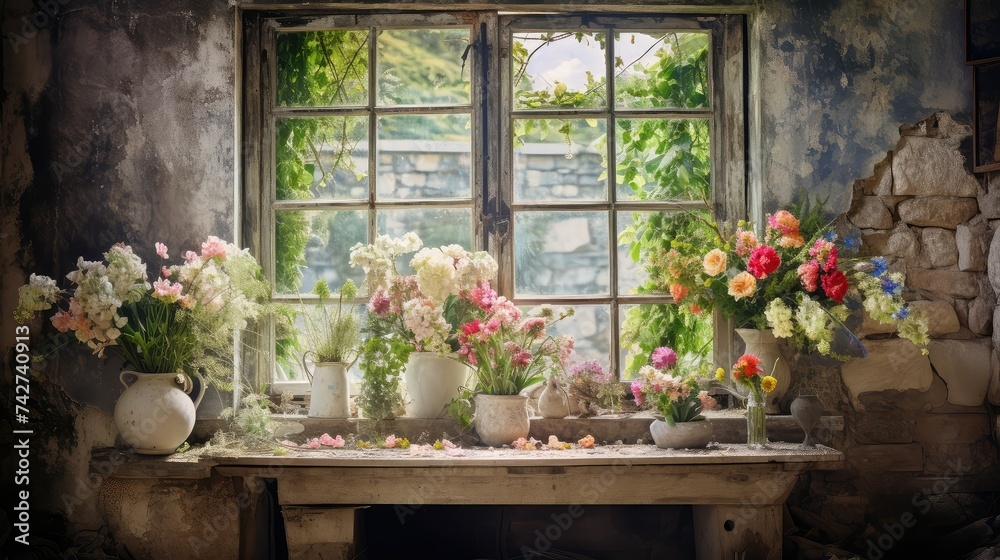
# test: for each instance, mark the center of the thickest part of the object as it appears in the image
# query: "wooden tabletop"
(197, 463)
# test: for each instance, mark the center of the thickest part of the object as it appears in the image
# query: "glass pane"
(561, 253)
(632, 231)
(322, 158)
(642, 234)
(559, 159)
(424, 156)
(322, 68)
(563, 69)
(422, 66)
(661, 70)
(435, 226)
(646, 327)
(662, 159)
(590, 327)
(314, 244)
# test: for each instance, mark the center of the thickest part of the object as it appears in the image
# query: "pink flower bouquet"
(183, 322)
(674, 392)
(510, 352)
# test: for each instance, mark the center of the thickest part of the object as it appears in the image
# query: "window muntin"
(652, 146)
(372, 127)
(343, 189)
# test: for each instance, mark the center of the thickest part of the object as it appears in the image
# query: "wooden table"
(736, 492)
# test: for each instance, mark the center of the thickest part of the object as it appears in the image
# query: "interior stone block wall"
(920, 438)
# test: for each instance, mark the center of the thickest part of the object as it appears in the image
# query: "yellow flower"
(714, 262)
(720, 375)
(768, 383)
(742, 285)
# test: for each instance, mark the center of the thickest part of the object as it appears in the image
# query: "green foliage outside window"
(656, 159)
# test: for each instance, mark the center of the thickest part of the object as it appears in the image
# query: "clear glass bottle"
(756, 420)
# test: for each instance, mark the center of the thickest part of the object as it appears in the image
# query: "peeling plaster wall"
(838, 77)
(118, 124)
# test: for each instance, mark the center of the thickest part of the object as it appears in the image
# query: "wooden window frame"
(492, 198)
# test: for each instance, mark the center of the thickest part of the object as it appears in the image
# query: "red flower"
(831, 261)
(746, 367)
(835, 285)
(763, 261)
(472, 327)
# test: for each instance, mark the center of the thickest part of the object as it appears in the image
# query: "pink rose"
(664, 357)
(213, 247)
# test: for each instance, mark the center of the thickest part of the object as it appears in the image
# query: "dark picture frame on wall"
(982, 39)
(986, 117)
(982, 52)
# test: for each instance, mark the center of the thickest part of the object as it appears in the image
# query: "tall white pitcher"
(331, 391)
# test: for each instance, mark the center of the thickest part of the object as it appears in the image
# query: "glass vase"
(756, 421)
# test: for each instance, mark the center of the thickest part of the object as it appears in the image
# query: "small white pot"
(501, 419)
(155, 414)
(432, 381)
(682, 435)
(553, 402)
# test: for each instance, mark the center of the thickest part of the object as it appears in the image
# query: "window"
(559, 143)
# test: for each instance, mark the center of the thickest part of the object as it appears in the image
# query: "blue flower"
(890, 287)
(880, 266)
(903, 313)
(829, 236)
(852, 242)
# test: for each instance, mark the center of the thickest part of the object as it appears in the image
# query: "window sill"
(730, 427)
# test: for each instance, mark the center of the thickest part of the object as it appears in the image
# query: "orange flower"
(742, 285)
(784, 221)
(714, 262)
(695, 309)
(792, 241)
(678, 292)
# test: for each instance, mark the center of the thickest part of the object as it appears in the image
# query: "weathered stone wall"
(918, 437)
(118, 124)
(837, 78)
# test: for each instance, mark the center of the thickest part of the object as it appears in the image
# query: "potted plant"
(179, 328)
(421, 311)
(333, 340)
(783, 285)
(590, 388)
(509, 353)
(675, 392)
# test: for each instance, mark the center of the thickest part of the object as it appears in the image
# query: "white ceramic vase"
(764, 345)
(331, 390)
(501, 419)
(155, 414)
(432, 381)
(682, 435)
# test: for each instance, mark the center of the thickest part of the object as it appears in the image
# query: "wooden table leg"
(254, 523)
(738, 532)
